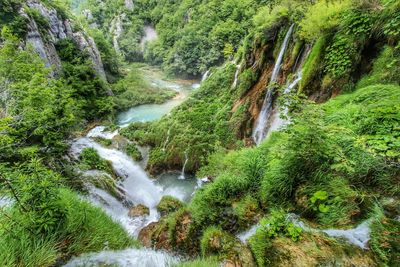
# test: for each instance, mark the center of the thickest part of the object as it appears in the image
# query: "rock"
(139, 210)
(59, 28)
(168, 204)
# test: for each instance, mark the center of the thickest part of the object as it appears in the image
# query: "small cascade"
(244, 236)
(235, 81)
(259, 132)
(205, 76)
(124, 258)
(182, 176)
(167, 140)
(5, 202)
(277, 120)
(150, 34)
(358, 236)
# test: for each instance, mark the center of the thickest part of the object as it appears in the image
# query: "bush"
(132, 151)
(90, 159)
(85, 229)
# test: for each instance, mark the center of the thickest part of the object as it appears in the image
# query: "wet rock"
(228, 247)
(168, 205)
(139, 210)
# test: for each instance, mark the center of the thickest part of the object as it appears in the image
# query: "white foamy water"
(358, 236)
(6, 202)
(150, 34)
(259, 131)
(99, 131)
(277, 121)
(244, 236)
(235, 81)
(124, 258)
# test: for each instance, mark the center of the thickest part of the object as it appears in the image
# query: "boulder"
(168, 205)
(138, 210)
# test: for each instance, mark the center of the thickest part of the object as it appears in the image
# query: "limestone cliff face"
(58, 28)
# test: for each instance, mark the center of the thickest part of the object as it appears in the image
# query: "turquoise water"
(152, 112)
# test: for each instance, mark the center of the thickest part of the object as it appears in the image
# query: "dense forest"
(200, 133)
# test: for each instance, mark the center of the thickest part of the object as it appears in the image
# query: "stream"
(136, 186)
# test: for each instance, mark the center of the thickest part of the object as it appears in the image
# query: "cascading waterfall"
(277, 120)
(182, 176)
(125, 258)
(205, 76)
(136, 188)
(166, 140)
(139, 189)
(261, 126)
(235, 81)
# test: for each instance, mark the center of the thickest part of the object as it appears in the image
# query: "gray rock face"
(46, 51)
(59, 28)
(116, 31)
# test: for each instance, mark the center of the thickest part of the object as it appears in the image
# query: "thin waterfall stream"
(261, 126)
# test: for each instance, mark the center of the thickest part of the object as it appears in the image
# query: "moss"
(201, 262)
(246, 211)
(312, 65)
(228, 248)
(385, 239)
(133, 152)
(103, 141)
(169, 204)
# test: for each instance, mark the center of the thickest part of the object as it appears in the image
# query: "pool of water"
(152, 112)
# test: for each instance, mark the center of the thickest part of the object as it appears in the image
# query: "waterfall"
(236, 76)
(278, 122)
(182, 176)
(205, 76)
(124, 258)
(259, 131)
(166, 140)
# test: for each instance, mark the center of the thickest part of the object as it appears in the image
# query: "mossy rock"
(313, 249)
(168, 205)
(138, 210)
(228, 248)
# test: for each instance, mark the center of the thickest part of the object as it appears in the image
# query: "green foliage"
(90, 159)
(340, 56)
(386, 68)
(322, 17)
(10, 17)
(169, 204)
(385, 240)
(196, 128)
(133, 152)
(133, 89)
(89, 90)
(313, 63)
(35, 190)
(318, 200)
(276, 224)
(272, 226)
(85, 229)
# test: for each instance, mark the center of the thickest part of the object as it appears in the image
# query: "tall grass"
(87, 229)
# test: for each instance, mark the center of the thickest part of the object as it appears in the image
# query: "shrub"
(90, 159)
(133, 152)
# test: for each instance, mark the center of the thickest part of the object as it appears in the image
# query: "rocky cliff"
(58, 27)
